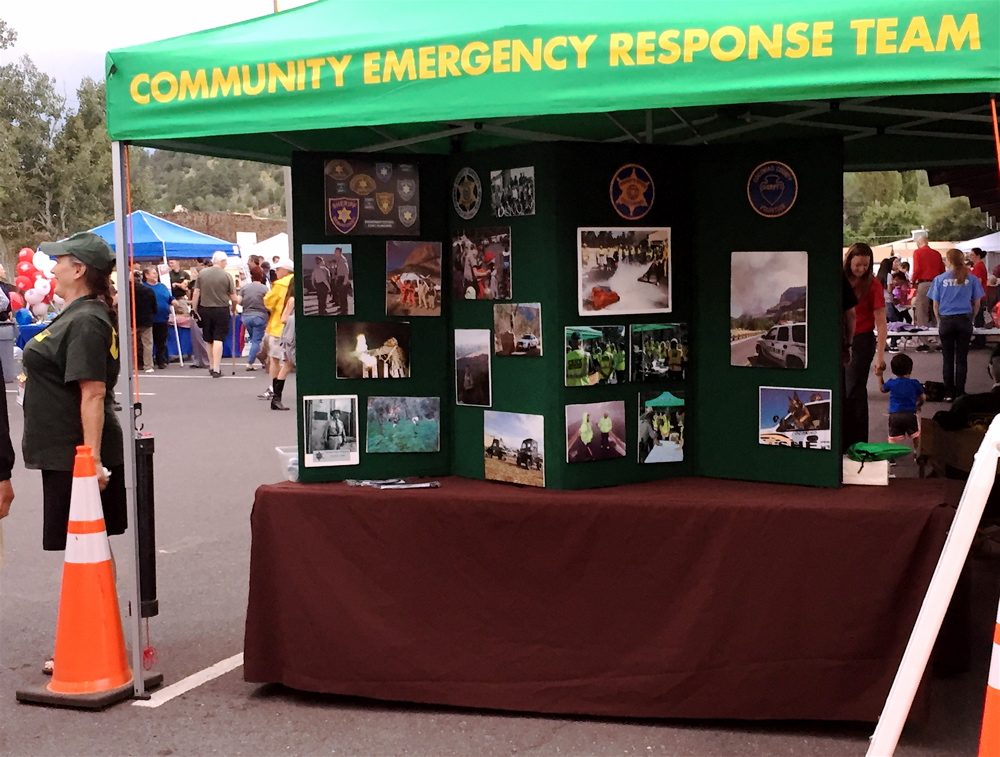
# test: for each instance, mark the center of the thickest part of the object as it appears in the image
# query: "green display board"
(701, 196)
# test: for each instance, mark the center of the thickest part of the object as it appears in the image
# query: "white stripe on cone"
(85, 500)
(87, 548)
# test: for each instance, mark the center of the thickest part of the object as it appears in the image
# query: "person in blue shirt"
(906, 396)
(161, 321)
(956, 295)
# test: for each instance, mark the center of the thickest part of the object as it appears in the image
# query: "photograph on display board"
(404, 424)
(595, 431)
(661, 427)
(327, 279)
(331, 430)
(480, 263)
(658, 351)
(767, 309)
(366, 197)
(514, 445)
(517, 329)
(412, 278)
(512, 192)
(595, 355)
(373, 350)
(473, 380)
(624, 270)
(795, 417)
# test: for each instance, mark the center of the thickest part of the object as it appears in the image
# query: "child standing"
(906, 396)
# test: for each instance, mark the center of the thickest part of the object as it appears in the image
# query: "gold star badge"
(633, 191)
(343, 215)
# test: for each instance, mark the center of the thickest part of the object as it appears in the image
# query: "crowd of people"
(952, 293)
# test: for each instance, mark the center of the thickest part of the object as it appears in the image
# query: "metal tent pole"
(120, 181)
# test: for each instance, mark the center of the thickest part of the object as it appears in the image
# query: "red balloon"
(25, 268)
(26, 254)
(16, 300)
(23, 283)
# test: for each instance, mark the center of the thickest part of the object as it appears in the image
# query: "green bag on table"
(862, 452)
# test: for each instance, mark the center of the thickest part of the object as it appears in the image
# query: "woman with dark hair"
(72, 368)
(956, 295)
(868, 344)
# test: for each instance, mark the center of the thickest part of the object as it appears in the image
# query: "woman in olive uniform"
(72, 368)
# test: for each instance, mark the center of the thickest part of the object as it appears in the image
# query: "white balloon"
(43, 286)
(40, 309)
(58, 301)
(33, 297)
(40, 260)
(46, 267)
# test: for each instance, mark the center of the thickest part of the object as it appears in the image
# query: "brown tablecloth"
(685, 598)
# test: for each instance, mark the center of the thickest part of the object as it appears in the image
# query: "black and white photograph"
(595, 431)
(480, 263)
(767, 309)
(514, 448)
(373, 350)
(327, 279)
(473, 379)
(658, 351)
(624, 270)
(331, 430)
(661, 427)
(412, 278)
(512, 192)
(517, 329)
(595, 355)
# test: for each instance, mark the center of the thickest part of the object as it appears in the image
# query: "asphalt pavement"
(214, 445)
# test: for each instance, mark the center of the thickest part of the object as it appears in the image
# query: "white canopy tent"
(987, 243)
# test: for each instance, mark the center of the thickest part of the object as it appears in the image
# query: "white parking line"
(196, 376)
(191, 682)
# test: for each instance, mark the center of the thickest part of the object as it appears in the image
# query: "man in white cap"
(213, 303)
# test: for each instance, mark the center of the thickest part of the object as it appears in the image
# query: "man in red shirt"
(927, 263)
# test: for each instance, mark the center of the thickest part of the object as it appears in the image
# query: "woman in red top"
(868, 344)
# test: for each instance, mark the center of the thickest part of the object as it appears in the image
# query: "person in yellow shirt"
(275, 301)
(587, 434)
(604, 426)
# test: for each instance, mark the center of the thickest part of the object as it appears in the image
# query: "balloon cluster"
(34, 278)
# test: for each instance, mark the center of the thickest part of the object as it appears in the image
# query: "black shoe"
(923, 348)
(276, 405)
(215, 374)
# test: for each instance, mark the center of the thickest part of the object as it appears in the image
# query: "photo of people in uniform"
(412, 278)
(327, 279)
(595, 355)
(512, 192)
(517, 329)
(624, 270)
(661, 427)
(595, 431)
(404, 424)
(480, 262)
(514, 448)
(658, 351)
(473, 380)
(767, 309)
(331, 430)
(372, 350)
(795, 417)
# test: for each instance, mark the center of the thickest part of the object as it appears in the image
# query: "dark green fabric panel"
(315, 336)
(727, 445)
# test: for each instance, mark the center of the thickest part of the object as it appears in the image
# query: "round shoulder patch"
(632, 191)
(467, 193)
(772, 189)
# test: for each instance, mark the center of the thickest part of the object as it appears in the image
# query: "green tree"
(884, 223)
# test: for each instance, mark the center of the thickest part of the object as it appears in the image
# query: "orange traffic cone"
(91, 668)
(989, 739)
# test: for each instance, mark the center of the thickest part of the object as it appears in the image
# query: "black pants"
(160, 333)
(322, 296)
(955, 332)
(855, 405)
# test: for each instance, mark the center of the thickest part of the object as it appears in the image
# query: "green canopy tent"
(585, 332)
(905, 82)
(666, 399)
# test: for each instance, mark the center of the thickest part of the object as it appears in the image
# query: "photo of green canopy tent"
(666, 399)
(584, 332)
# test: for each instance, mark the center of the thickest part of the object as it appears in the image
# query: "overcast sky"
(67, 39)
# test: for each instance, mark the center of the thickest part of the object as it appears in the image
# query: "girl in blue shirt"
(956, 295)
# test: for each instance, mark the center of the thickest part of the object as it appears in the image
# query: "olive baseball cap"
(86, 247)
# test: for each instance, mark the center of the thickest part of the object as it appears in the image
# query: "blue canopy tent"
(155, 238)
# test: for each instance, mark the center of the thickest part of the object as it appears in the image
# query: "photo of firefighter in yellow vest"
(658, 351)
(595, 355)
